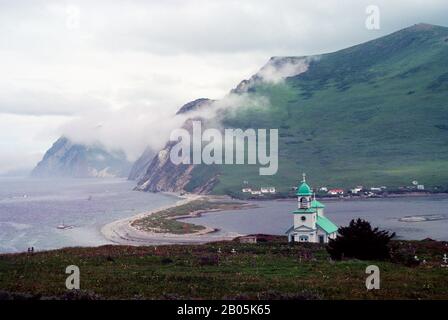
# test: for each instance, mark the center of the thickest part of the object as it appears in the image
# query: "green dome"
(317, 204)
(304, 190)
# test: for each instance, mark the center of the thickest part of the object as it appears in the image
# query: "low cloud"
(130, 129)
(117, 71)
(278, 69)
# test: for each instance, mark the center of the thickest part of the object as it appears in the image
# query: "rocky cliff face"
(141, 165)
(162, 175)
(68, 159)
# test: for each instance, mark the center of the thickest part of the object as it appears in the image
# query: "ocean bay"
(32, 209)
(274, 216)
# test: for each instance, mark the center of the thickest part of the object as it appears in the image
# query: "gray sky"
(117, 70)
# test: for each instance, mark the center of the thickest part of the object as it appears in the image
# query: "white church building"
(310, 223)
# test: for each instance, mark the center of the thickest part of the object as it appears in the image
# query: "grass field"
(273, 269)
(164, 221)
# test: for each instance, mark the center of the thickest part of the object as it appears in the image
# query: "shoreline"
(361, 198)
(123, 233)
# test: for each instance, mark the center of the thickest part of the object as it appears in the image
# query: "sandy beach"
(122, 232)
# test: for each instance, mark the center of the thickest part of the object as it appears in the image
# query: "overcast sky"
(122, 68)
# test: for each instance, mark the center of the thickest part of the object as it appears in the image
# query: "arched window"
(303, 202)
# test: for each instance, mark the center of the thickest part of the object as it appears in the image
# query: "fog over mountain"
(68, 159)
(117, 71)
(371, 114)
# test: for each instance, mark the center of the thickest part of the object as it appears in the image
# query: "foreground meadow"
(271, 269)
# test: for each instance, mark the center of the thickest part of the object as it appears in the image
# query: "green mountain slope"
(375, 114)
(372, 114)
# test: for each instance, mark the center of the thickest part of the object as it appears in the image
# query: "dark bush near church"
(360, 241)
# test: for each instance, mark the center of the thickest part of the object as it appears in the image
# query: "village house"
(267, 190)
(335, 192)
(246, 190)
(355, 191)
(309, 221)
(248, 239)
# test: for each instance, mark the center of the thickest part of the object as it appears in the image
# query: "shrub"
(166, 261)
(403, 254)
(208, 261)
(360, 241)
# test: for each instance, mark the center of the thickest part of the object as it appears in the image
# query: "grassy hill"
(373, 114)
(268, 270)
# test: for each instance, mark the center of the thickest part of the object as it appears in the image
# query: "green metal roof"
(317, 204)
(326, 224)
(304, 190)
(309, 210)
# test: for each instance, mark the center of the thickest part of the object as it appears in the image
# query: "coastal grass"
(226, 270)
(165, 221)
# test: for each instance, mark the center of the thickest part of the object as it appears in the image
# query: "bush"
(360, 241)
(404, 254)
(166, 261)
(208, 261)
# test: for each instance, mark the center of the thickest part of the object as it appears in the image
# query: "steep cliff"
(68, 159)
(141, 165)
(162, 175)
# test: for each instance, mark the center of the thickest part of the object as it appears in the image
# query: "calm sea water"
(31, 210)
(274, 217)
